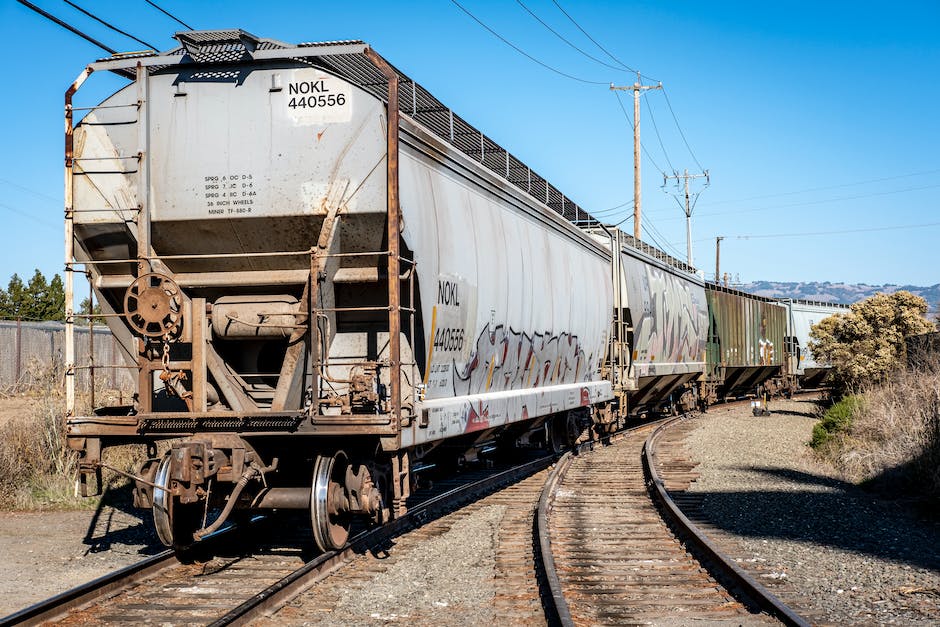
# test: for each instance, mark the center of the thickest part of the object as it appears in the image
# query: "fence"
(29, 350)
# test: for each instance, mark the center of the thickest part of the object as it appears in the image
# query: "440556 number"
(447, 339)
(314, 101)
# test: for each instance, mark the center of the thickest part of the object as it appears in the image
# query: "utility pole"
(636, 88)
(718, 259)
(688, 205)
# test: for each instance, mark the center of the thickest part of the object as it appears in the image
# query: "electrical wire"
(819, 189)
(561, 37)
(31, 191)
(649, 110)
(666, 95)
(656, 236)
(612, 210)
(111, 26)
(523, 52)
(630, 122)
(69, 27)
(592, 39)
(840, 232)
(168, 14)
(30, 216)
(824, 201)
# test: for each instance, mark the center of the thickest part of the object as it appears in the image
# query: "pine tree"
(37, 300)
(13, 300)
(35, 304)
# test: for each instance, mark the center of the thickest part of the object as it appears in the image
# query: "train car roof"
(347, 60)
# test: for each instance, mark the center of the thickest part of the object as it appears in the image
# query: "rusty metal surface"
(625, 566)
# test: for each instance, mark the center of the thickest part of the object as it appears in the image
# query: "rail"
(288, 587)
(757, 593)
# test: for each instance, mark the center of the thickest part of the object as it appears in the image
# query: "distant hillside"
(838, 292)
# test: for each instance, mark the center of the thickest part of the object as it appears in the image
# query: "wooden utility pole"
(636, 88)
(718, 259)
(688, 206)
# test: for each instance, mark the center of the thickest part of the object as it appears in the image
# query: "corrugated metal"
(29, 350)
(744, 330)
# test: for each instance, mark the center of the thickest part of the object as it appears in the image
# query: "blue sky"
(818, 122)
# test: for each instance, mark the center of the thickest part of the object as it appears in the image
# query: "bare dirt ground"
(44, 553)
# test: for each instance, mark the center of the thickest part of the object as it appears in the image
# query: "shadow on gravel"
(117, 522)
(789, 412)
(839, 515)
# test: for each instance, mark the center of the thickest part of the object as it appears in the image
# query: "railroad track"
(245, 580)
(612, 556)
(603, 555)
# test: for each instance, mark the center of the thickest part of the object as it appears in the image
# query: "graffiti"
(669, 314)
(504, 359)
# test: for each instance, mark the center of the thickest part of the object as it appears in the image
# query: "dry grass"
(37, 471)
(894, 437)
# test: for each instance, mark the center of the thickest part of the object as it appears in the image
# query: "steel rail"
(53, 607)
(556, 607)
(281, 592)
(701, 544)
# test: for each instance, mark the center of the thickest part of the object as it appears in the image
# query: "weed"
(837, 419)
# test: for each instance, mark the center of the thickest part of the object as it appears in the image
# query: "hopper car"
(324, 281)
(802, 368)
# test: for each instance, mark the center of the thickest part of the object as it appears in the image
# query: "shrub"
(837, 419)
(37, 471)
(866, 344)
(890, 439)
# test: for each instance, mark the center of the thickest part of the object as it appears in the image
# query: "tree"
(13, 299)
(37, 300)
(85, 309)
(867, 343)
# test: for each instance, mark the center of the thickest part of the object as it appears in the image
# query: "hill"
(845, 293)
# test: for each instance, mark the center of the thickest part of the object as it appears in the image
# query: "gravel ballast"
(45, 553)
(821, 544)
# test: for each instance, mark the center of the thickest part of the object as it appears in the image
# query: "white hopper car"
(323, 280)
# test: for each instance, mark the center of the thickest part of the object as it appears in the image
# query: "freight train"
(323, 281)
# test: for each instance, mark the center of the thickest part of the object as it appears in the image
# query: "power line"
(66, 26)
(819, 189)
(612, 209)
(523, 52)
(642, 146)
(31, 191)
(168, 14)
(111, 26)
(649, 110)
(561, 37)
(680, 130)
(657, 237)
(592, 39)
(29, 215)
(824, 201)
(840, 232)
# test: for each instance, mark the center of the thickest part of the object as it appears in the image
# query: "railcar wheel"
(558, 433)
(175, 522)
(329, 510)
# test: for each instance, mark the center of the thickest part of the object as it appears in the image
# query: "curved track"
(612, 558)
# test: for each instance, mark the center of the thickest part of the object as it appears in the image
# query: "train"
(324, 282)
